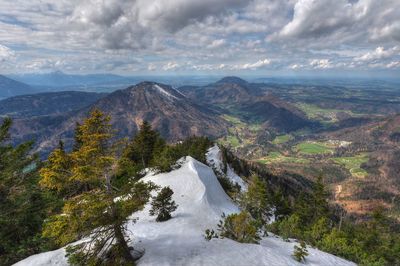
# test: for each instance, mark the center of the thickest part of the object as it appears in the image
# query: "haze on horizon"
(219, 37)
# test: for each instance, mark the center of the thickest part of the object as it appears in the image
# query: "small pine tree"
(163, 205)
(300, 252)
(240, 227)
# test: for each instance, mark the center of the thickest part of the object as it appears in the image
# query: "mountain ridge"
(10, 87)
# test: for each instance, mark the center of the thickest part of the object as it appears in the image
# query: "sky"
(162, 37)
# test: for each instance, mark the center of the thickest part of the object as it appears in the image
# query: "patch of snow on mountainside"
(214, 158)
(180, 240)
(163, 91)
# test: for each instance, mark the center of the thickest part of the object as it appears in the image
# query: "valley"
(347, 137)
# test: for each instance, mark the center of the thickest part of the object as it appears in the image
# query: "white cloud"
(258, 64)
(6, 53)
(216, 43)
(296, 66)
(393, 64)
(170, 66)
(379, 53)
(320, 63)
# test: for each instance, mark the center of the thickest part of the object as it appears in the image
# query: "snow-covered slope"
(180, 240)
(214, 158)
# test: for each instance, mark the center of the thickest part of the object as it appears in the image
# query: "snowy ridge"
(180, 241)
(214, 158)
(166, 93)
(180, 93)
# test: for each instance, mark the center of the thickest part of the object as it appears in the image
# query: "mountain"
(170, 112)
(228, 90)
(51, 103)
(249, 102)
(180, 240)
(174, 115)
(61, 79)
(10, 87)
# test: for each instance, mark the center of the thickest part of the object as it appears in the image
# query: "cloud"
(216, 43)
(258, 64)
(216, 36)
(6, 53)
(379, 53)
(313, 18)
(393, 64)
(320, 63)
(124, 24)
(342, 21)
(170, 66)
(296, 66)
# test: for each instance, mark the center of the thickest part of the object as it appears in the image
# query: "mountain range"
(10, 87)
(175, 113)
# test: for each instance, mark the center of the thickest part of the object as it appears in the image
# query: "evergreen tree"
(256, 201)
(77, 137)
(281, 204)
(90, 208)
(319, 198)
(144, 146)
(300, 252)
(163, 205)
(55, 176)
(22, 205)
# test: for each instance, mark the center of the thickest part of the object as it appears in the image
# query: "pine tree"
(22, 205)
(55, 176)
(77, 137)
(300, 253)
(320, 199)
(144, 146)
(256, 201)
(85, 178)
(163, 205)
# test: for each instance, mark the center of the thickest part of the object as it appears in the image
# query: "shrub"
(210, 234)
(240, 227)
(300, 252)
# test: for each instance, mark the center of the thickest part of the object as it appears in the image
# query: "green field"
(353, 164)
(276, 157)
(324, 115)
(240, 133)
(282, 139)
(312, 148)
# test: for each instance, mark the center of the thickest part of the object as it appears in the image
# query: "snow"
(163, 91)
(177, 91)
(214, 158)
(180, 240)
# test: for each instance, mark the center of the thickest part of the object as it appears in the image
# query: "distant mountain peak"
(234, 80)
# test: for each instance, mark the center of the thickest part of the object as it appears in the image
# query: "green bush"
(300, 252)
(239, 227)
